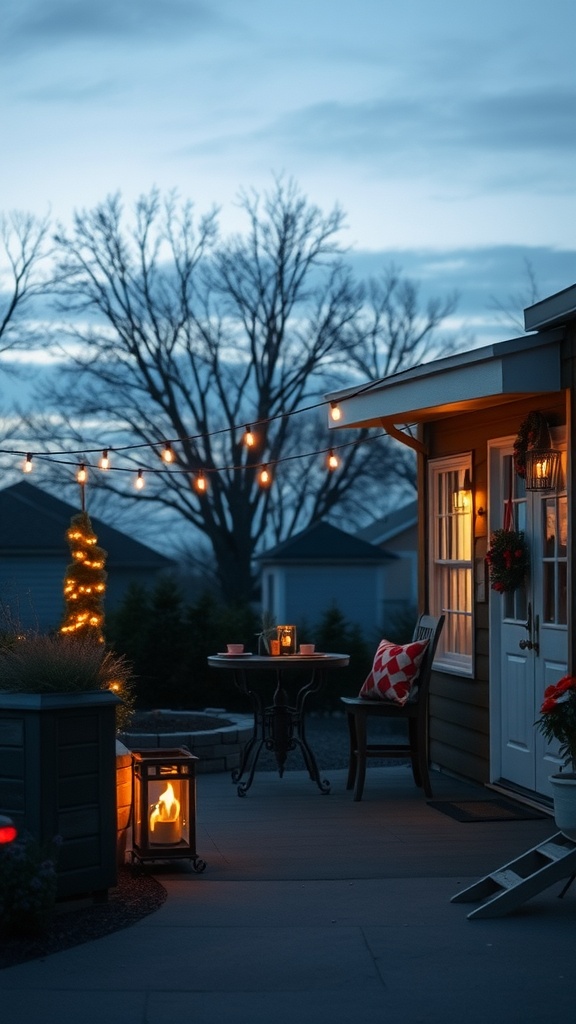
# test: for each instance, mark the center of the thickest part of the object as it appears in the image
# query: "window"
(450, 534)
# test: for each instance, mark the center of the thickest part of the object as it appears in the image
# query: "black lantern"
(535, 458)
(164, 822)
(542, 469)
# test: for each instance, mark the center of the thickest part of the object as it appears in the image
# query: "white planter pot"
(564, 793)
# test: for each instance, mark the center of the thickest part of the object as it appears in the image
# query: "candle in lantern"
(165, 826)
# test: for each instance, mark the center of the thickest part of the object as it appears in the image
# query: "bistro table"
(279, 726)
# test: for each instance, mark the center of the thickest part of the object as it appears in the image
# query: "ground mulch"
(76, 921)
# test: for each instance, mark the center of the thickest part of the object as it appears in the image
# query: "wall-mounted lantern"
(534, 457)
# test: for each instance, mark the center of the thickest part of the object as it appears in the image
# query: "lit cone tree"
(85, 582)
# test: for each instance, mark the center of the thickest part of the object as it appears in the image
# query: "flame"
(167, 808)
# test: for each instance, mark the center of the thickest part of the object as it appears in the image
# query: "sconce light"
(462, 497)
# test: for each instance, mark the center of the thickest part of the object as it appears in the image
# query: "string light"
(81, 475)
(168, 455)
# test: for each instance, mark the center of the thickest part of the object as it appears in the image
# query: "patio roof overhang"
(464, 383)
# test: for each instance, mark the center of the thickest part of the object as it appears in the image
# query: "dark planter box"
(58, 778)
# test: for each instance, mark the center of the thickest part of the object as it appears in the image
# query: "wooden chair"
(414, 712)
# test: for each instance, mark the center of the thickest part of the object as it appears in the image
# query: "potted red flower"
(558, 721)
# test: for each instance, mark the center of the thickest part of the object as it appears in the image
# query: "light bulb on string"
(264, 477)
(27, 465)
(332, 461)
(139, 484)
(249, 439)
(200, 483)
(104, 461)
(168, 453)
(335, 412)
(81, 475)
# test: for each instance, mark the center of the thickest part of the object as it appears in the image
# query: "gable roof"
(324, 543)
(391, 525)
(33, 522)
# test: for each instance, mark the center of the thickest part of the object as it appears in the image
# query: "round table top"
(252, 662)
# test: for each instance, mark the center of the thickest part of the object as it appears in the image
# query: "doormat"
(485, 810)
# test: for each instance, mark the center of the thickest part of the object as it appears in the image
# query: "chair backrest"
(427, 628)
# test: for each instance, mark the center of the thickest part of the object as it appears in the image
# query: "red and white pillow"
(394, 671)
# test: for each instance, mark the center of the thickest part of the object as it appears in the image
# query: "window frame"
(453, 574)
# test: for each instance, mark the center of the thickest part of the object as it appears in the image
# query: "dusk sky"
(446, 130)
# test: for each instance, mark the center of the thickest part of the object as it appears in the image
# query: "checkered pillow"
(394, 671)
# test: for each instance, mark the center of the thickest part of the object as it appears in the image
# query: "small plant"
(267, 632)
(27, 885)
(56, 663)
(558, 718)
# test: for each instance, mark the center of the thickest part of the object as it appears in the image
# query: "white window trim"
(455, 663)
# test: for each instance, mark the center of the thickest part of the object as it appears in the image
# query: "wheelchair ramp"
(505, 889)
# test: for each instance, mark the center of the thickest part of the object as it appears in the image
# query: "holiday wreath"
(507, 560)
(533, 433)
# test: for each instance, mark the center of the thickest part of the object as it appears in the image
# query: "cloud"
(33, 24)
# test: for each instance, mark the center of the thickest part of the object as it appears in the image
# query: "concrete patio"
(318, 909)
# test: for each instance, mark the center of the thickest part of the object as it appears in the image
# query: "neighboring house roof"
(33, 522)
(391, 525)
(325, 543)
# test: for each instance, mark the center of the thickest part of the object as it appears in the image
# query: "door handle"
(528, 623)
(525, 645)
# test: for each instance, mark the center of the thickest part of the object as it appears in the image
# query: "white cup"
(307, 648)
(235, 648)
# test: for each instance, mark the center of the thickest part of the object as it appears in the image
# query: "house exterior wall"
(401, 575)
(31, 589)
(302, 594)
(459, 705)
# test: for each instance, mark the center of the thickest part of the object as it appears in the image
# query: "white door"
(528, 628)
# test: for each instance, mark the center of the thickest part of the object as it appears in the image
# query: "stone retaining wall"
(217, 750)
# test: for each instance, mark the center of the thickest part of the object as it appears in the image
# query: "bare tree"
(509, 310)
(22, 249)
(188, 339)
(395, 331)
